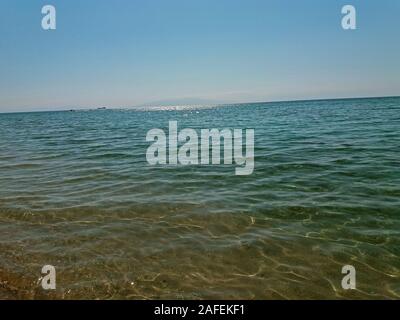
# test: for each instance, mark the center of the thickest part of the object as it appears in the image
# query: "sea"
(77, 193)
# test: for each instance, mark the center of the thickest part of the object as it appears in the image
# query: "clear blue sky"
(131, 52)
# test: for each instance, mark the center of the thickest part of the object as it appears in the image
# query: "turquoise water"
(76, 192)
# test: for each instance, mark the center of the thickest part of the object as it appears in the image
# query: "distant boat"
(102, 108)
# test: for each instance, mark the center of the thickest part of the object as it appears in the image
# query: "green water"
(76, 192)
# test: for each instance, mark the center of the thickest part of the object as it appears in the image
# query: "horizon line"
(216, 104)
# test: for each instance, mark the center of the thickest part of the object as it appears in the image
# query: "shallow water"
(76, 192)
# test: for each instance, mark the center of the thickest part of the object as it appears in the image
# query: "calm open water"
(76, 192)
